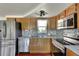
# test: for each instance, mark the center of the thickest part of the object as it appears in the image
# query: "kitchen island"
(40, 45)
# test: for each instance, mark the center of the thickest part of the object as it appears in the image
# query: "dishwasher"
(23, 44)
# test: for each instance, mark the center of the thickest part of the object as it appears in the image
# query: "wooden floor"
(55, 52)
(34, 54)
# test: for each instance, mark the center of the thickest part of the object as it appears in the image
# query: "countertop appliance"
(7, 37)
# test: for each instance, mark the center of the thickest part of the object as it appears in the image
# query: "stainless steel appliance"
(72, 21)
(71, 37)
(68, 22)
(7, 37)
(70, 41)
(23, 44)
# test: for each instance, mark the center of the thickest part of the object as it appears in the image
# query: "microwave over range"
(68, 22)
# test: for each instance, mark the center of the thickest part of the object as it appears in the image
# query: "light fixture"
(41, 13)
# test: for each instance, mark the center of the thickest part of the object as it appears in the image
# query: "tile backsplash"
(56, 34)
(71, 32)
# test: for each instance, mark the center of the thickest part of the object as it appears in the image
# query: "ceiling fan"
(41, 13)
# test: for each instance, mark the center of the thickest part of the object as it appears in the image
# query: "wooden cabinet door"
(63, 14)
(48, 24)
(71, 9)
(78, 20)
(57, 18)
(70, 53)
(78, 16)
(77, 7)
(25, 23)
(52, 23)
(33, 23)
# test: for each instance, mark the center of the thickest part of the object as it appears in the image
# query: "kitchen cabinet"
(40, 45)
(48, 24)
(70, 53)
(78, 20)
(25, 23)
(71, 9)
(77, 7)
(33, 23)
(62, 14)
(52, 23)
(57, 18)
(78, 16)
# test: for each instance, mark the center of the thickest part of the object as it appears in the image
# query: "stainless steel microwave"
(72, 21)
(68, 22)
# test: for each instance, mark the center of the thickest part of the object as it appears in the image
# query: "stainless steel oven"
(71, 36)
(70, 41)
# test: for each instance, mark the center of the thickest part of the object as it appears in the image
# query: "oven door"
(71, 41)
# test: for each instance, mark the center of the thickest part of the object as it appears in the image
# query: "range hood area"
(43, 32)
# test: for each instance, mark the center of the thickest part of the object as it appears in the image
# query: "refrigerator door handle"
(4, 29)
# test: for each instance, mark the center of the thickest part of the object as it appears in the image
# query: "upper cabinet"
(33, 23)
(58, 17)
(71, 9)
(27, 23)
(78, 15)
(48, 24)
(53, 22)
(62, 14)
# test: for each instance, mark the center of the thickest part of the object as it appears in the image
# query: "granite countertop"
(74, 48)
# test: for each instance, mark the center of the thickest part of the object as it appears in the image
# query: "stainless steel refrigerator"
(8, 37)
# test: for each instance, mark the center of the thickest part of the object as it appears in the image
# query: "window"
(42, 26)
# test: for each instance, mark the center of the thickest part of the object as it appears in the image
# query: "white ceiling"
(24, 9)
(16, 8)
(52, 8)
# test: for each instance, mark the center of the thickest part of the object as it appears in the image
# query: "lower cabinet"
(70, 53)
